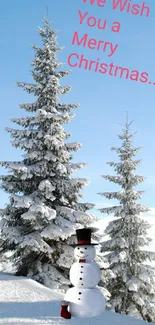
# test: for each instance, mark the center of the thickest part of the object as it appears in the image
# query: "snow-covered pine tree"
(43, 212)
(132, 281)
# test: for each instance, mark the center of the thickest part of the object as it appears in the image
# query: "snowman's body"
(85, 275)
(85, 300)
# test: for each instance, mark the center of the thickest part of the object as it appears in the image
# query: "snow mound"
(23, 301)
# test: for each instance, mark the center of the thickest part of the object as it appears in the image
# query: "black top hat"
(84, 236)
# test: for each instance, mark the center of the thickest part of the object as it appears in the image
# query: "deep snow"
(23, 301)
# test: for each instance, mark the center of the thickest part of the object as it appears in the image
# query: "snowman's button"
(81, 266)
(80, 293)
(80, 279)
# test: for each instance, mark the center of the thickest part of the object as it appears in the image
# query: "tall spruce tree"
(43, 212)
(132, 281)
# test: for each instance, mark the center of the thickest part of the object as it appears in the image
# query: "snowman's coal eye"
(85, 247)
(78, 248)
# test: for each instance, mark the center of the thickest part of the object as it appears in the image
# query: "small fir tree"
(43, 213)
(130, 280)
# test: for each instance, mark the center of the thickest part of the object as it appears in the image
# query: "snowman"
(84, 299)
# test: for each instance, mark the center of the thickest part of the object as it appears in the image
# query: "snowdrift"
(23, 301)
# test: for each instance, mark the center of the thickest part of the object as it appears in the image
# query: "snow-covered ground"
(23, 301)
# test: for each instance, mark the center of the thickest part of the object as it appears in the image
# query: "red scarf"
(82, 260)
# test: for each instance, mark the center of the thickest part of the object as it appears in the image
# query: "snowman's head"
(85, 252)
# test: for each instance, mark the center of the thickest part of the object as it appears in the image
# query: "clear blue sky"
(104, 100)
